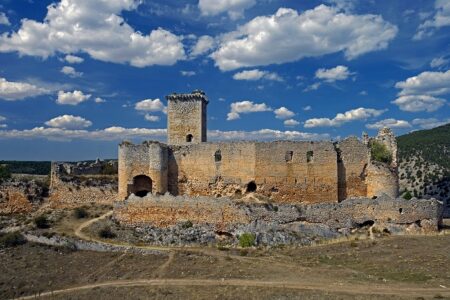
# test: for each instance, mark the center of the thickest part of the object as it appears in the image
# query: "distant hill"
(27, 167)
(424, 163)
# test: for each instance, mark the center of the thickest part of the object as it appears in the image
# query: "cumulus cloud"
(283, 113)
(440, 19)
(265, 134)
(257, 75)
(245, 107)
(341, 118)
(71, 72)
(333, 74)
(12, 91)
(418, 93)
(312, 87)
(415, 103)
(3, 126)
(307, 108)
(203, 45)
(2, 118)
(69, 122)
(107, 134)
(187, 73)
(72, 98)
(430, 122)
(150, 105)
(289, 36)
(391, 123)
(95, 28)
(291, 123)
(234, 8)
(72, 59)
(4, 19)
(117, 133)
(152, 118)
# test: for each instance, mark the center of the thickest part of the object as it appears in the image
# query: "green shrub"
(187, 224)
(407, 195)
(5, 173)
(42, 222)
(106, 233)
(12, 239)
(247, 240)
(80, 213)
(380, 152)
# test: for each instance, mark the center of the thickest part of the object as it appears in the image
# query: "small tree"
(407, 195)
(42, 222)
(380, 152)
(247, 240)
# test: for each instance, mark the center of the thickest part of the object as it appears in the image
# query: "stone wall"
(224, 214)
(14, 199)
(72, 191)
(186, 115)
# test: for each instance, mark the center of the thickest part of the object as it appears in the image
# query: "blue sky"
(79, 76)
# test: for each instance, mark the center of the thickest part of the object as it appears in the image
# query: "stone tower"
(186, 118)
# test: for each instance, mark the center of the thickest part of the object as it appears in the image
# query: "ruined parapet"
(186, 118)
(142, 168)
(352, 162)
(382, 178)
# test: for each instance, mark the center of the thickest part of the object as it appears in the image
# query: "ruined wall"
(148, 158)
(353, 159)
(193, 169)
(381, 180)
(166, 211)
(186, 114)
(72, 191)
(227, 215)
(290, 171)
(14, 199)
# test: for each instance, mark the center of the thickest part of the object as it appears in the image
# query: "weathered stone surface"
(20, 197)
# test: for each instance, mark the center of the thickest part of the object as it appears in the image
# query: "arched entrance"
(251, 187)
(142, 185)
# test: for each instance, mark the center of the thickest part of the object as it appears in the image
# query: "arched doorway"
(189, 138)
(142, 185)
(251, 187)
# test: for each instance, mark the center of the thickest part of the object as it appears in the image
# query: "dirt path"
(346, 289)
(81, 235)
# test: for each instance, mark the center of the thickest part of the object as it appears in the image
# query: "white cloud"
(265, 134)
(307, 108)
(363, 93)
(72, 98)
(12, 91)
(426, 83)
(204, 44)
(418, 93)
(152, 118)
(430, 122)
(71, 72)
(289, 36)
(440, 19)
(3, 126)
(4, 19)
(107, 134)
(99, 100)
(312, 87)
(2, 118)
(95, 28)
(150, 105)
(291, 123)
(187, 73)
(245, 107)
(72, 59)
(438, 62)
(283, 113)
(69, 122)
(257, 75)
(391, 123)
(333, 74)
(234, 8)
(341, 118)
(415, 103)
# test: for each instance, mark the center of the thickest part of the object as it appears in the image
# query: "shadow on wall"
(142, 185)
(172, 174)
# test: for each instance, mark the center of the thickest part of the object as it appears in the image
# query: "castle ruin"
(284, 171)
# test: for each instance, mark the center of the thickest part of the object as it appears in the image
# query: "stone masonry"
(284, 171)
